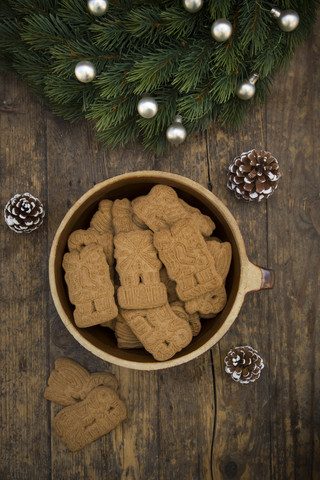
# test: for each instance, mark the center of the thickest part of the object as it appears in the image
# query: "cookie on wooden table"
(80, 424)
(69, 382)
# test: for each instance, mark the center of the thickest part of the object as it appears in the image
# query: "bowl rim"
(238, 301)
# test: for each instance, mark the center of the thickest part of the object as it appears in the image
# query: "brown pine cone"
(244, 364)
(24, 213)
(254, 175)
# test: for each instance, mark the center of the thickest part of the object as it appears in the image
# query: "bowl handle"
(258, 278)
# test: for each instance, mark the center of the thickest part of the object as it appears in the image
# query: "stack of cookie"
(169, 271)
(92, 405)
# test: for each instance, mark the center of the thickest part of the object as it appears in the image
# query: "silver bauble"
(192, 6)
(221, 30)
(147, 106)
(247, 88)
(176, 133)
(98, 7)
(85, 71)
(288, 20)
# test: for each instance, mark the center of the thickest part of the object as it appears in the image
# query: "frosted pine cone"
(254, 175)
(244, 364)
(24, 213)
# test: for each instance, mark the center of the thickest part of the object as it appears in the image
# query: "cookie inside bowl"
(100, 340)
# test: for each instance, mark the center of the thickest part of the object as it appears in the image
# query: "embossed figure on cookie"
(222, 255)
(138, 267)
(161, 332)
(89, 285)
(161, 208)
(209, 303)
(81, 238)
(82, 423)
(170, 285)
(184, 253)
(102, 219)
(69, 382)
(213, 302)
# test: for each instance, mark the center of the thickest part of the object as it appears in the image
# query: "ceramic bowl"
(243, 276)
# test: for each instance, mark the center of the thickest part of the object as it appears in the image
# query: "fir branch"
(155, 69)
(148, 46)
(193, 67)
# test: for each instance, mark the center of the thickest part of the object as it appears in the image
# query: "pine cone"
(24, 213)
(254, 175)
(244, 364)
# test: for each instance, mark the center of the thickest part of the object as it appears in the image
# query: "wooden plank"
(241, 442)
(24, 435)
(293, 224)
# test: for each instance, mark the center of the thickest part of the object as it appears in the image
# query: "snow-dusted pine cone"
(254, 175)
(24, 213)
(244, 364)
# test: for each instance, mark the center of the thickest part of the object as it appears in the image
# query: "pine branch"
(148, 46)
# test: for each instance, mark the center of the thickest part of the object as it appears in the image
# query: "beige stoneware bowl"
(243, 277)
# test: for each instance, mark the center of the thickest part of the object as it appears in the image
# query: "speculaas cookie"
(193, 319)
(161, 208)
(138, 222)
(99, 413)
(110, 324)
(170, 285)
(102, 219)
(207, 315)
(161, 332)
(209, 303)
(69, 382)
(184, 252)
(125, 336)
(81, 238)
(90, 288)
(213, 302)
(116, 283)
(222, 255)
(122, 216)
(138, 267)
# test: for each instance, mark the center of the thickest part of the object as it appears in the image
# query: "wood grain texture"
(190, 422)
(25, 429)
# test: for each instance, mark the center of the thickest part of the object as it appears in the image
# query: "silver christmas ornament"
(98, 7)
(247, 89)
(221, 30)
(85, 71)
(192, 6)
(147, 106)
(288, 20)
(176, 133)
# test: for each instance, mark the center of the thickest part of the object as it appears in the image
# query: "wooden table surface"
(193, 421)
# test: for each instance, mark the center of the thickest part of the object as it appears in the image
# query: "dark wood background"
(193, 421)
